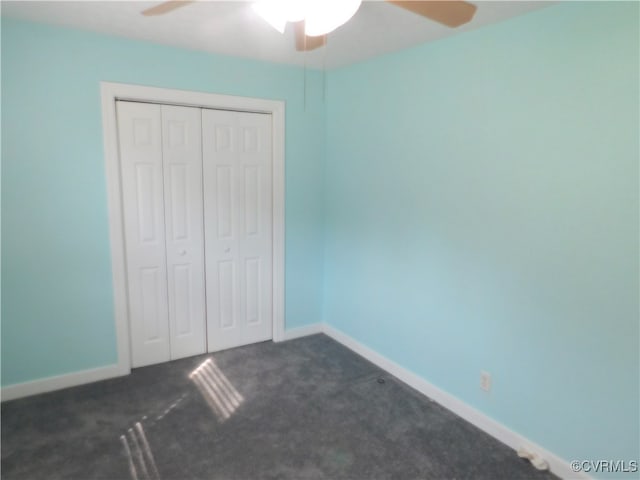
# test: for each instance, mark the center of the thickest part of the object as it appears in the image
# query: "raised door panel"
(140, 139)
(182, 158)
(255, 229)
(238, 223)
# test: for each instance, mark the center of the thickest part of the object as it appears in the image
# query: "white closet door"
(139, 130)
(182, 155)
(238, 227)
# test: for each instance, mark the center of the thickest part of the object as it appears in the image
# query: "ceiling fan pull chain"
(324, 69)
(304, 88)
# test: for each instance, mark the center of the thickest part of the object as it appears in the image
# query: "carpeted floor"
(303, 409)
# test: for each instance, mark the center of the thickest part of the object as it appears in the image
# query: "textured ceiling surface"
(233, 28)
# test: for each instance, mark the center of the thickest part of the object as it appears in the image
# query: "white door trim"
(110, 92)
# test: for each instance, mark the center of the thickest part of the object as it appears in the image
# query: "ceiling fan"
(451, 13)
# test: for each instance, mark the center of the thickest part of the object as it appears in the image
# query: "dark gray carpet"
(304, 409)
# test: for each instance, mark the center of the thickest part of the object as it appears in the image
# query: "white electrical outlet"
(485, 381)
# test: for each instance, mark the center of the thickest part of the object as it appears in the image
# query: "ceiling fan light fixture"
(320, 16)
(325, 16)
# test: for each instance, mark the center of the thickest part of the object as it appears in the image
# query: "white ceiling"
(232, 28)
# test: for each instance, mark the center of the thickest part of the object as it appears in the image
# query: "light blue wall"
(482, 214)
(481, 198)
(57, 310)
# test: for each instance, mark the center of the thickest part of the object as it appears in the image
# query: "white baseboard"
(557, 465)
(303, 331)
(19, 390)
(49, 384)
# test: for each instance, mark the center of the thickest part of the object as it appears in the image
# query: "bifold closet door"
(237, 166)
(140, 138)
(161, 169)
(182, 163)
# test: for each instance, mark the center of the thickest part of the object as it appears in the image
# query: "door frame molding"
(110, 93)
